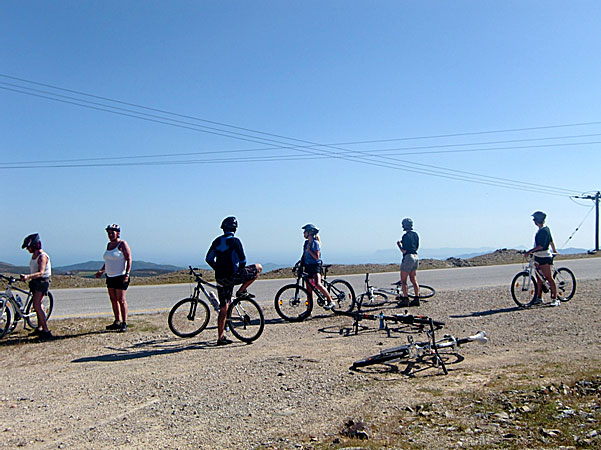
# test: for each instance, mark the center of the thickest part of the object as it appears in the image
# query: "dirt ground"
(293, 388)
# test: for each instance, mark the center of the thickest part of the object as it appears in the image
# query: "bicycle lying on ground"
(431, 353)
(406, 319)
(294, 304)
(13, 308)
(190, 316)
(376, 297)
(523, 285)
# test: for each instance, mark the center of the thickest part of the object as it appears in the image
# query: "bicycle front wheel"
(424, 291)
(5, 316)
(246, 320)
(292, 303)
(342, 294)
(373, 300)
(47, 306)
(188, 317)
(566, 283)
(523, 289)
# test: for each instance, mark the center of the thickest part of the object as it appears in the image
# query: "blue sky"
(318, 72)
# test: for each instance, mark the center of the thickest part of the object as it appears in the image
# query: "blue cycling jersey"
(226, 255)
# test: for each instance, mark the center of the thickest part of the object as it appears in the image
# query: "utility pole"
(595, 197)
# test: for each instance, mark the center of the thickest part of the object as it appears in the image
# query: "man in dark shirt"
(408, 245)
(226, 257)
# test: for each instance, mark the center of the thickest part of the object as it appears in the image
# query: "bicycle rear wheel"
(342, 294)
(424, 291)
(5, 316)
(566, 283)
(380, 358)
(246, 320)
(523, 289)
(188, 317)
(373, 300)
(47, 306)
(292, 303)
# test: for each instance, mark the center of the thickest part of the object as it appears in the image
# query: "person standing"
(40, 270)
(408, 245)
(311, 261)
(227, 259)
(117, 266)
(543, 258)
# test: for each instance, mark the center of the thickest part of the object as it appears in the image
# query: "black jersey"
(410, 242)
(226, 255)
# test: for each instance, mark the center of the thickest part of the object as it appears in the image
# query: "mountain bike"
(407, 319)
(294, 304)
(13, 308)
(523, 285)
(430, 353)
(190, 316)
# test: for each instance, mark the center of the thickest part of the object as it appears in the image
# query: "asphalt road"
(146, 299)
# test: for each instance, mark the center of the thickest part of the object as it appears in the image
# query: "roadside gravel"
(290, 389)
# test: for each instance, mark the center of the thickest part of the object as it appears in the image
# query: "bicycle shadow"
(158, 347)
(488, 312)
(26, 339)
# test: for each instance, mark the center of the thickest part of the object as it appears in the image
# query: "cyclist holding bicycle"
(39, 281)
(226, 257)
(543, 258)
(311, 261)
(408, 245)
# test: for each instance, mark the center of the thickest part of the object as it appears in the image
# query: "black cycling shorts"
(117, 282)
(225, 286)
(313, 269)
(39, 285)
(543, 260)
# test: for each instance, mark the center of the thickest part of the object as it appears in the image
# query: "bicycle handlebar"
(10, 280)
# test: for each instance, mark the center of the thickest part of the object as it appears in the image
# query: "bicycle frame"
(19, 310)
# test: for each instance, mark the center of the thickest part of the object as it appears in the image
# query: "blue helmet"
(311, 229)
(407, 224)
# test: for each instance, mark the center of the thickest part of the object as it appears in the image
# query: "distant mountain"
(137, 266)
(10, 268)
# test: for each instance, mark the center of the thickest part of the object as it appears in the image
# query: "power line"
(345, 154)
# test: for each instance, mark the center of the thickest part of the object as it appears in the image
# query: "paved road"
(144, 299)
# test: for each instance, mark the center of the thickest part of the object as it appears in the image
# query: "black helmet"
(407, 224)
(311, 229)
(113, 227)
(539, 216)
(33, 240)
(229, 224)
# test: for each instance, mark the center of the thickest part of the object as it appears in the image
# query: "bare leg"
(319, 286)
(404, 288)
(221, 321)
(546, 270)
(249, 282)
(115, 304)
(39, 312)
(121, 304)
(413, 278)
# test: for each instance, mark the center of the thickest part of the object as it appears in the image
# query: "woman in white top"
(39, 281)
(117, 265)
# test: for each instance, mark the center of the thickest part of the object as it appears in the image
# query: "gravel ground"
(291, 389)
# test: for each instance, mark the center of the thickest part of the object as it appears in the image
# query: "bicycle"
(427, 352)
(376, 297)
(408, 319)
(523, 285)
(190, 316)
(293, 303)
(13, 308)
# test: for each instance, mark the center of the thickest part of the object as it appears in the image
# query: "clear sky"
(334, 73)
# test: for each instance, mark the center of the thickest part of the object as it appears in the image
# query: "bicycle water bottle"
(19, 301)
(381, 320)
(214, 301)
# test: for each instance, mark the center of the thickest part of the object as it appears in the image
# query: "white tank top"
(34, 266)
(114, 262)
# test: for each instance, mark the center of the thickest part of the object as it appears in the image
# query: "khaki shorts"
(410, 262)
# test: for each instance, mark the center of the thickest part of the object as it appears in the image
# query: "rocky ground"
(534, 385)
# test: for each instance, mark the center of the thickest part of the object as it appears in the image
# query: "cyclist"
(408, 245)
(117, 265)
(543, 258)
(311, 261)
(39, 281)
(226, 257)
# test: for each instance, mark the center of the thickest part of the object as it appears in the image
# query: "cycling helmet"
(311, 229)
(407, 224)
(229, 224)
(113, 227)
(33, 240)
(539, 216)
